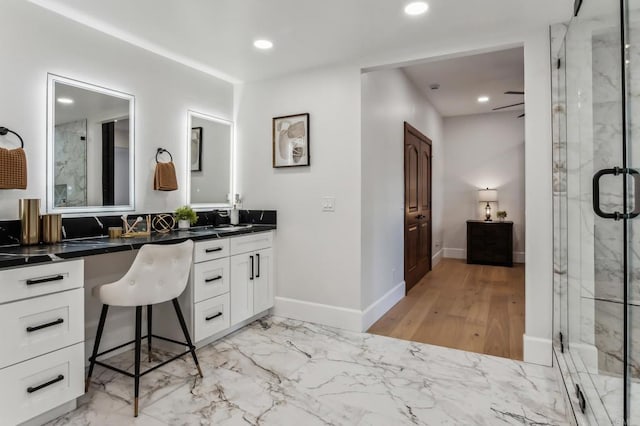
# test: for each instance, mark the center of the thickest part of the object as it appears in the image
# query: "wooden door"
(417, 205)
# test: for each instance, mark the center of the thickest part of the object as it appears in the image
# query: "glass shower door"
(596, 232)
(632, 154)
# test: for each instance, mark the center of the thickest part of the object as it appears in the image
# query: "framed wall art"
(291, 141)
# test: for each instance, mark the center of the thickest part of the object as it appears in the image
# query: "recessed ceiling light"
(263, 44)
(416, 8)
(65, 100)
(483, 99)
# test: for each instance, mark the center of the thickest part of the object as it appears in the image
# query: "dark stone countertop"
(11, 256)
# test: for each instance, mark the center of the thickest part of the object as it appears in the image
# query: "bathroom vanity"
(43, 299)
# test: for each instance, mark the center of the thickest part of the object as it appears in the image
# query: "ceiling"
(216, 36)
(462, 80)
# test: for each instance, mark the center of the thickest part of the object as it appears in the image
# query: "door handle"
(251, 277)
(258, 261)
(421, 216)
(45, 280)
(616, 215)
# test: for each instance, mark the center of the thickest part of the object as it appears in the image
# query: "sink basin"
(231, 227)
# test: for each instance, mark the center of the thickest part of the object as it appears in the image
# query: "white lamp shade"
(487, 195)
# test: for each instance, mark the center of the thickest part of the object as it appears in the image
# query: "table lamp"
(487, 196)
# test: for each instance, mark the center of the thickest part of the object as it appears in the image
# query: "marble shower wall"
(592, 255)
(70, 155)
(609, 238)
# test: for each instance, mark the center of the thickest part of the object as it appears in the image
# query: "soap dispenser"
(234, 215)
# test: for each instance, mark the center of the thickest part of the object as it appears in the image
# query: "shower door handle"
(596, 193)
(635, 174)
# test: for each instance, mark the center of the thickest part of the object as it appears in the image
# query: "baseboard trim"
(436, 258)
(538, 351)
(457, 253)
(377, 309)
(336, 316)
(318, 313)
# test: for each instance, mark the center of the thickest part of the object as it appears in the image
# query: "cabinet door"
(242, 277)
(263, 282)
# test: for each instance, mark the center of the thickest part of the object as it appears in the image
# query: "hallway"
(474, 308)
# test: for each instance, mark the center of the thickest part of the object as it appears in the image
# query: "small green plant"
(186, 213)
(501, 214)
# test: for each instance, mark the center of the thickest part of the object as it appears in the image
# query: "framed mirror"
(210, 161)
(90, 148)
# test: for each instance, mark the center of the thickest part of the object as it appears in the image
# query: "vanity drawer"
(211, 317)
(43, 324)
(247, 243)
(38, 385)
(30, 281)
(210, 279)
(210, 250)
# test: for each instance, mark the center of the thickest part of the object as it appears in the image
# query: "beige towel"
(13, 169)
(165, 177)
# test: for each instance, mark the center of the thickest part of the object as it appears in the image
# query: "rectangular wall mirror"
(210, 158)
(90, 148)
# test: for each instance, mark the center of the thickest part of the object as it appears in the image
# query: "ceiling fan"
(512, 92)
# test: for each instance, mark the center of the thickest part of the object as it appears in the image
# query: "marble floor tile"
(283, 372)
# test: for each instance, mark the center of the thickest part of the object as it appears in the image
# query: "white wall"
(483, 150)
(538, 199)
(389, 99)
(35, 41)
(318, 254)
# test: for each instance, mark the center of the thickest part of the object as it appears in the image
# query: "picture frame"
(291, 141)
(196, 149)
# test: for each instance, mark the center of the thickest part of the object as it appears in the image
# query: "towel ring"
(4, 131)
(160, 151)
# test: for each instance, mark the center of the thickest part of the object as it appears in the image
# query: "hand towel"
(13, 169)
(165, 177)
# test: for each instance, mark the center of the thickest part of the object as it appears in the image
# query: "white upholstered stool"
(158, 274)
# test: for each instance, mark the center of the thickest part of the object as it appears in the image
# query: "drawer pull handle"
(208, 280)
(45, 280)
(219, 314)
(32, 389)
(40, 327)
(211, 250)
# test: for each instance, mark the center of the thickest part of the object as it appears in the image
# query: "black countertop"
(11, 256)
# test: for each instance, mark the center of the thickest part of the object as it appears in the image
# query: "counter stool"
(158, 274)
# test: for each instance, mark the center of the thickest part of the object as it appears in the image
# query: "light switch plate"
(328, 204)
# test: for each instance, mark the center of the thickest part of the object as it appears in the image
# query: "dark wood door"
(417, 205)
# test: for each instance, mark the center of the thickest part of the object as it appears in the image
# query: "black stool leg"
(96, 345)
(137, 362)
(183, 325)
(149, 322)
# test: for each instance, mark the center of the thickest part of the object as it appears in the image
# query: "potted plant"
(502, 215)
(185, 217)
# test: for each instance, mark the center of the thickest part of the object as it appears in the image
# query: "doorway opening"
(463, 155)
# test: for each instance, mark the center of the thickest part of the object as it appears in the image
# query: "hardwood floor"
(475, 308)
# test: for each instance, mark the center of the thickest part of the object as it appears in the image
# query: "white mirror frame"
(52, 79)
(209, 206)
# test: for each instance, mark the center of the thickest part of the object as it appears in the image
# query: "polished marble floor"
(284, 372)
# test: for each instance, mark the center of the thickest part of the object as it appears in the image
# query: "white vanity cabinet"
(251, 284)
(231, 281)
(42, 334)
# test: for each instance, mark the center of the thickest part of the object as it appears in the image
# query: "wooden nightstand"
(490, 243)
